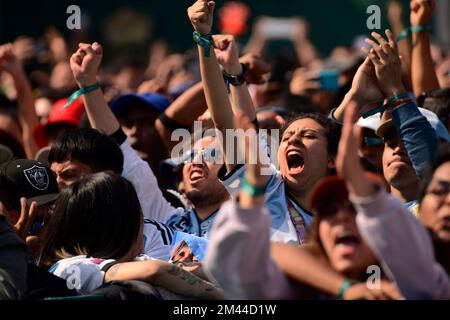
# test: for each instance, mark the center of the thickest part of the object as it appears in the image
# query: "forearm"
(402, 245)
(99, 114)
(241, 101)
(340, 111)
(217, 99)
(165, 275)
(416, 133)
(423, 75)
(301, 264)
(27, 113)
(306, 52)
(189, 106)
(404, 50)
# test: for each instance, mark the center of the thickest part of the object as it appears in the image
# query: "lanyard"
(298, 221)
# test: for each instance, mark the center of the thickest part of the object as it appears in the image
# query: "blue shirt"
(190, 223)
(283, 229)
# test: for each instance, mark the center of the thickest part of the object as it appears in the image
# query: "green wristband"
(74, 96)
(403, 34)
(395, 98)
(252, 190)
(344, 287)
(204, 41)
(418, 28)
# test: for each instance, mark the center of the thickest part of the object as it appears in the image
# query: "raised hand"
(227, 53)
(257, 67)
(303, 82)
(201, 16)
(9, 61)
(421, 12)
(388, 67)
(85, 63)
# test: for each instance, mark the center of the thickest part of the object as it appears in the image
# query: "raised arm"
(364, 92)
(228, 56)
(423, 74)
(395, 17)
(201, 16)
(181, 113)
(85, 63)
(418, 136)
(400, 243)
(27, 113)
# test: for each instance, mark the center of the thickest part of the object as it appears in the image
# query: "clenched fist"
(85, 63)
(201, 16)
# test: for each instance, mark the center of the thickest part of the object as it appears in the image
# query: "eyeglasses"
(210, 154)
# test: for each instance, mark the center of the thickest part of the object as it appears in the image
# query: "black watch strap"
(236, 80)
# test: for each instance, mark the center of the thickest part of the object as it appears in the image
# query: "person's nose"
(295, 140)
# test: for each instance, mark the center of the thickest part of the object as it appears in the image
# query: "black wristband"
(236, 80)
(171, 124)
(119, 136)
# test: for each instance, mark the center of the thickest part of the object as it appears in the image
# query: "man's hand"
(388, 67)
(201, 16)
(421, 12)
(85, 63)
(227, 53)
(9, 61)
(257, 67)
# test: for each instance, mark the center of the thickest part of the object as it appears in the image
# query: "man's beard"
(201, 199)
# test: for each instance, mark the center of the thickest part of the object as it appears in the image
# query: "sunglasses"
(210, 154)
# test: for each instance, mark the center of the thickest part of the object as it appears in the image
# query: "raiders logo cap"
(32, 179)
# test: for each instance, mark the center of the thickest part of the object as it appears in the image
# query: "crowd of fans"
(99, 198)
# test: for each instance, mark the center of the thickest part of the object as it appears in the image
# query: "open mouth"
(196, 175)
(347, 243)
(295, 161)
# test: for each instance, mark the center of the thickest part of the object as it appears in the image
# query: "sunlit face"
(303, 155)
(397, 167)
(70, 171)
(435, 206)
(200, 179)
(346, 250)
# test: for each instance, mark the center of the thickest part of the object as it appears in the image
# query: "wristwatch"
(236, 80)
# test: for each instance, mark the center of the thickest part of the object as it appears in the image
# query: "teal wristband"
(205, 41)
(252, 190)
(418, 28)
(74, 96)
(407, 31)
(344, 287)
(403, 34)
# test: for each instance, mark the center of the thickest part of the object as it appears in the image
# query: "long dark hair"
(99, 216)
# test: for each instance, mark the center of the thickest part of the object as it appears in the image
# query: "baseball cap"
(438, 126)
(156, 101)
(70, 115)
(32, 179)
(334, 187)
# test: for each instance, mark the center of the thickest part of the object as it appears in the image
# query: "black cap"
(33, 180)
